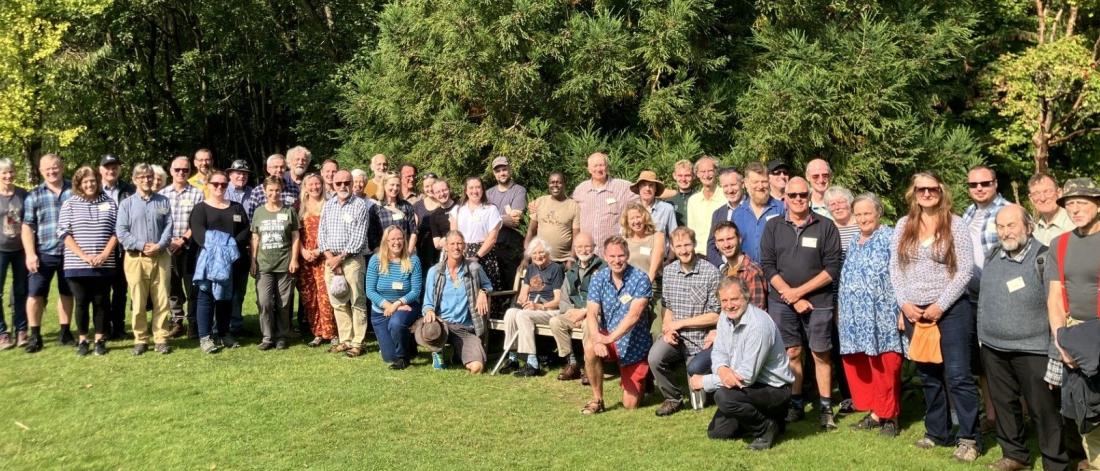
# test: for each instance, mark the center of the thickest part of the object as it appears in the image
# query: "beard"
(299, 171)
(584, 258)
(1012, 245)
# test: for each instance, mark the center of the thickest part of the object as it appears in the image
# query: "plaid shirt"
(41, 211)
(689, 294)
(182, 202)
(988, 236)
(343, 227)
(753, 276)
(290, 193)
(389, 217)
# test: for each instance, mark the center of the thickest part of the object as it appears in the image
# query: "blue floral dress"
(868, 317)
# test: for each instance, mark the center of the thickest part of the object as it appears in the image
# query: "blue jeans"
(18, 287)
(700, 364)
(953, 377)
(394, 339)
(210, 313)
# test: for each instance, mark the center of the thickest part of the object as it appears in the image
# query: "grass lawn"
(304, 408)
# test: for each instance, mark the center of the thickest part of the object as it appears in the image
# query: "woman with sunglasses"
(930, 267)
(213, 219)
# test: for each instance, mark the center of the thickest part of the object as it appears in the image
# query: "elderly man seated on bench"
(538, 300)
(574, 302)
(456, 291)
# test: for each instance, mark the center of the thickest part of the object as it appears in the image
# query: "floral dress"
(868, 317)
(311, 283)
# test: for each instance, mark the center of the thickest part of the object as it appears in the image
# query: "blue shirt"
(752, 347)
(453, 306)
(868, 317)
(141, 221)
(239, 196)
(664, 218)
(752, 227)
(394, 284)
(615, 304)
(41, 211)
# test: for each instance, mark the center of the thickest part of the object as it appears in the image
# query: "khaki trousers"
(148, 280)
(351, 315)
(562, 330)
(521, 323)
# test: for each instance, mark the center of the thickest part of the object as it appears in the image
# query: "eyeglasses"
(982, 184)
(217, 184)
(927, 190)
(181, 170)
(800, 196)
(1047, 193)
(341, 183)
(780, 172)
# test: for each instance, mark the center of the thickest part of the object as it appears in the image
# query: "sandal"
(594, 406)
(340, 347)
(354, 352)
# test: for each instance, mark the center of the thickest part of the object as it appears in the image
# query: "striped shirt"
(847, 234)
(40, 212)
(394, 284)
(91, 224)
(343, 227)
(182, 202)
(601, 208)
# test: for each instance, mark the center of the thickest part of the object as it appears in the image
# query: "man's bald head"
(1013, 227)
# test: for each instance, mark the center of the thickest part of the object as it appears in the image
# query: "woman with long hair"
(395, 211)
(394, 284)
(930, 266)
(647, 245)
(479, 222)
(311, 275)
(86, 224)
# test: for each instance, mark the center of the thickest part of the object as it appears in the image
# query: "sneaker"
(399, 364)
(228, 341)
(140, 348)
(178, 330)
(827, 420)
(5, 341)
(570, 372)
(795, 414)
(889, 428)
(280, 345)
(527, 372)
(66, 338)
(767, 439)
(437, 361)
(510, 367)
(82, 348)
(925, 443)
(316, 342)
(207, 345)
(966, 451)
(161, 348)
(21, 339)
(669, 407)
(866, 423)
(265, 346)
(1008, 464)
(34, 344)
(845, 408)
(100, 347)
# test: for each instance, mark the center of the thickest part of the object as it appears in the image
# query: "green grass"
(304, 408)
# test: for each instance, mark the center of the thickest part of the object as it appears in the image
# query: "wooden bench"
(502, 301)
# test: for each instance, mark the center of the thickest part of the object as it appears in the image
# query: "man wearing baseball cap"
(118, 190)
(778, 174)
(510, 199)
(238, 191)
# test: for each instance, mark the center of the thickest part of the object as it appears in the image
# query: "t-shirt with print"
(541, 283)
(275, 231)
(11, 209)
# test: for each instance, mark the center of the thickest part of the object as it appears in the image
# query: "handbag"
(925, 346)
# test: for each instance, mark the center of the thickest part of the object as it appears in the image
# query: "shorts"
(466, 343)
(38, 284)
(814, 327)
(631, 377)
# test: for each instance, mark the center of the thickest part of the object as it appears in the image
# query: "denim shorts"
(38, 284)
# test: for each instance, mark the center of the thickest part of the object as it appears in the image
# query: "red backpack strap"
(1061, 244)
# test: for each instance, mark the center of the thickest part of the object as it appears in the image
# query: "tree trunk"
(1042, 150)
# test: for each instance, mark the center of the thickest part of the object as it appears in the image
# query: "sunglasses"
(800, 196)
(431, 175)
(217, 184)
(981, 184)
(927, 190)
(180, 170)
(341, 183)
(780, 172)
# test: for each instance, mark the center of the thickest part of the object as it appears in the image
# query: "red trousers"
(875, 382)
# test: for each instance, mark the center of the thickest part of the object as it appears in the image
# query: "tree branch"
(1054, 27)
(1080, 132)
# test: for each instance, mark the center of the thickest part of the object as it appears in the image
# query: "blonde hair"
(648, 228)
(384, 254)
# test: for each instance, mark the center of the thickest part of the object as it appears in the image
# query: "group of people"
(751, 280)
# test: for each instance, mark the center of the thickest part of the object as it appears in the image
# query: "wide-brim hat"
(432, 335)
(1076, 187)
(239, 165)
(648, 176)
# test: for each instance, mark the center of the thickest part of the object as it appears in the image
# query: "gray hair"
(6, 165)
(536, 244)
(840, 191)
(272, 157)
(159, 171)
(358, 172)
(300, 149)
(873, 198)
(705, 158)
(141, 169)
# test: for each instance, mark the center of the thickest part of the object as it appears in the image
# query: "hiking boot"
(265, 346)
(866, 423)
(1008, 464)
(280, 345)
(845, 408)
(82, 348)
(527, 372)
(966, 451)
(399, 364)
(827, 420)
(162, 348)
(889, 428)
(228, 341)
(669, 407)
(5, 341)
(140, 349)
(511, 366)
(100, 347)
(34, 344)
(207, 345)
(66, 338)
(767, 439)
(925, 443)
(570, 372)
(795, 414)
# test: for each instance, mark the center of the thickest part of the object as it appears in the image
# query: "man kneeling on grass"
(751, 377)
(455, 291)
(617, 326)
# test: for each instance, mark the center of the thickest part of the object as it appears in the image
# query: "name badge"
(1015, 284)
(810, 242)
(397, 285)
(281, 217)
(625, 299)
(398, 215)
(769, 218)
(236, 218)
(611, 201)
(347, 219)
(645, 250)
(104, 207)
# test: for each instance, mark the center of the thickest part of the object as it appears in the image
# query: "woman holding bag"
(929, 268)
